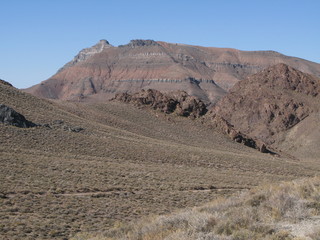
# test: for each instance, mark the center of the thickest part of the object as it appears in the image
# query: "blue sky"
(37, 37)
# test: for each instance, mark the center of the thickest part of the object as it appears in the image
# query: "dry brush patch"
(270, 212)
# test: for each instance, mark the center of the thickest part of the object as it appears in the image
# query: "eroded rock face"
(270, 102)
(11, 117)
(176, 102)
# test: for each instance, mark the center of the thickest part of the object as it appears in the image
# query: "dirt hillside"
(87, 166)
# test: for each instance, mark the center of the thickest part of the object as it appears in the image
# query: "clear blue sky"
(37, 37)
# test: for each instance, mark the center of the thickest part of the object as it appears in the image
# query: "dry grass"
(271, 212)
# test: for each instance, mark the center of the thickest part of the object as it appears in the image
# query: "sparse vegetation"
(272, 212)
(127, 163)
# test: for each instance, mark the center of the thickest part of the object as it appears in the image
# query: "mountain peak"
(86, 53)
(282, 76)
(101, 45)
(280, 68)
(104, 41)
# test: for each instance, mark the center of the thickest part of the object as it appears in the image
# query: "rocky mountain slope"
(270, 103)
(180, 103)
(99, 72)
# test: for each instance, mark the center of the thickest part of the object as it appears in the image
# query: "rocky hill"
(99, 72)
(266, 105)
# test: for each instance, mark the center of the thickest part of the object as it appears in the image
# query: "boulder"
(10, 117)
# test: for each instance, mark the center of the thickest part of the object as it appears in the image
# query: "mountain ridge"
(99, 72)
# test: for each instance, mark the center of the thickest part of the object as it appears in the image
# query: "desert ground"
(91, 166)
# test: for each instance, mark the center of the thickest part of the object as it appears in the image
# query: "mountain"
(88, 166)
(99, 72)
(270, 104)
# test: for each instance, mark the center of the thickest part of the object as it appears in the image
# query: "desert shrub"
(315, 206)
(256, 200)
(225, 228)
(209, 225)
(316, 234)
(282, 235)
(244, 235)
(307, 190)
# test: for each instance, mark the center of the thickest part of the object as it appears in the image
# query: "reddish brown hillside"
(268, 103)
(97, 73)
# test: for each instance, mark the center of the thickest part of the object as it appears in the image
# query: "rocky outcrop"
(268, 103)
(140, 43)
(5, 83)
(9, 116)
(182, 104)
(178, 102)
(220, 124)
(60, 124)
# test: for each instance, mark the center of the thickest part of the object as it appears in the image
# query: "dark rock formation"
(11, 117)
(175, 102)
(140, 43)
